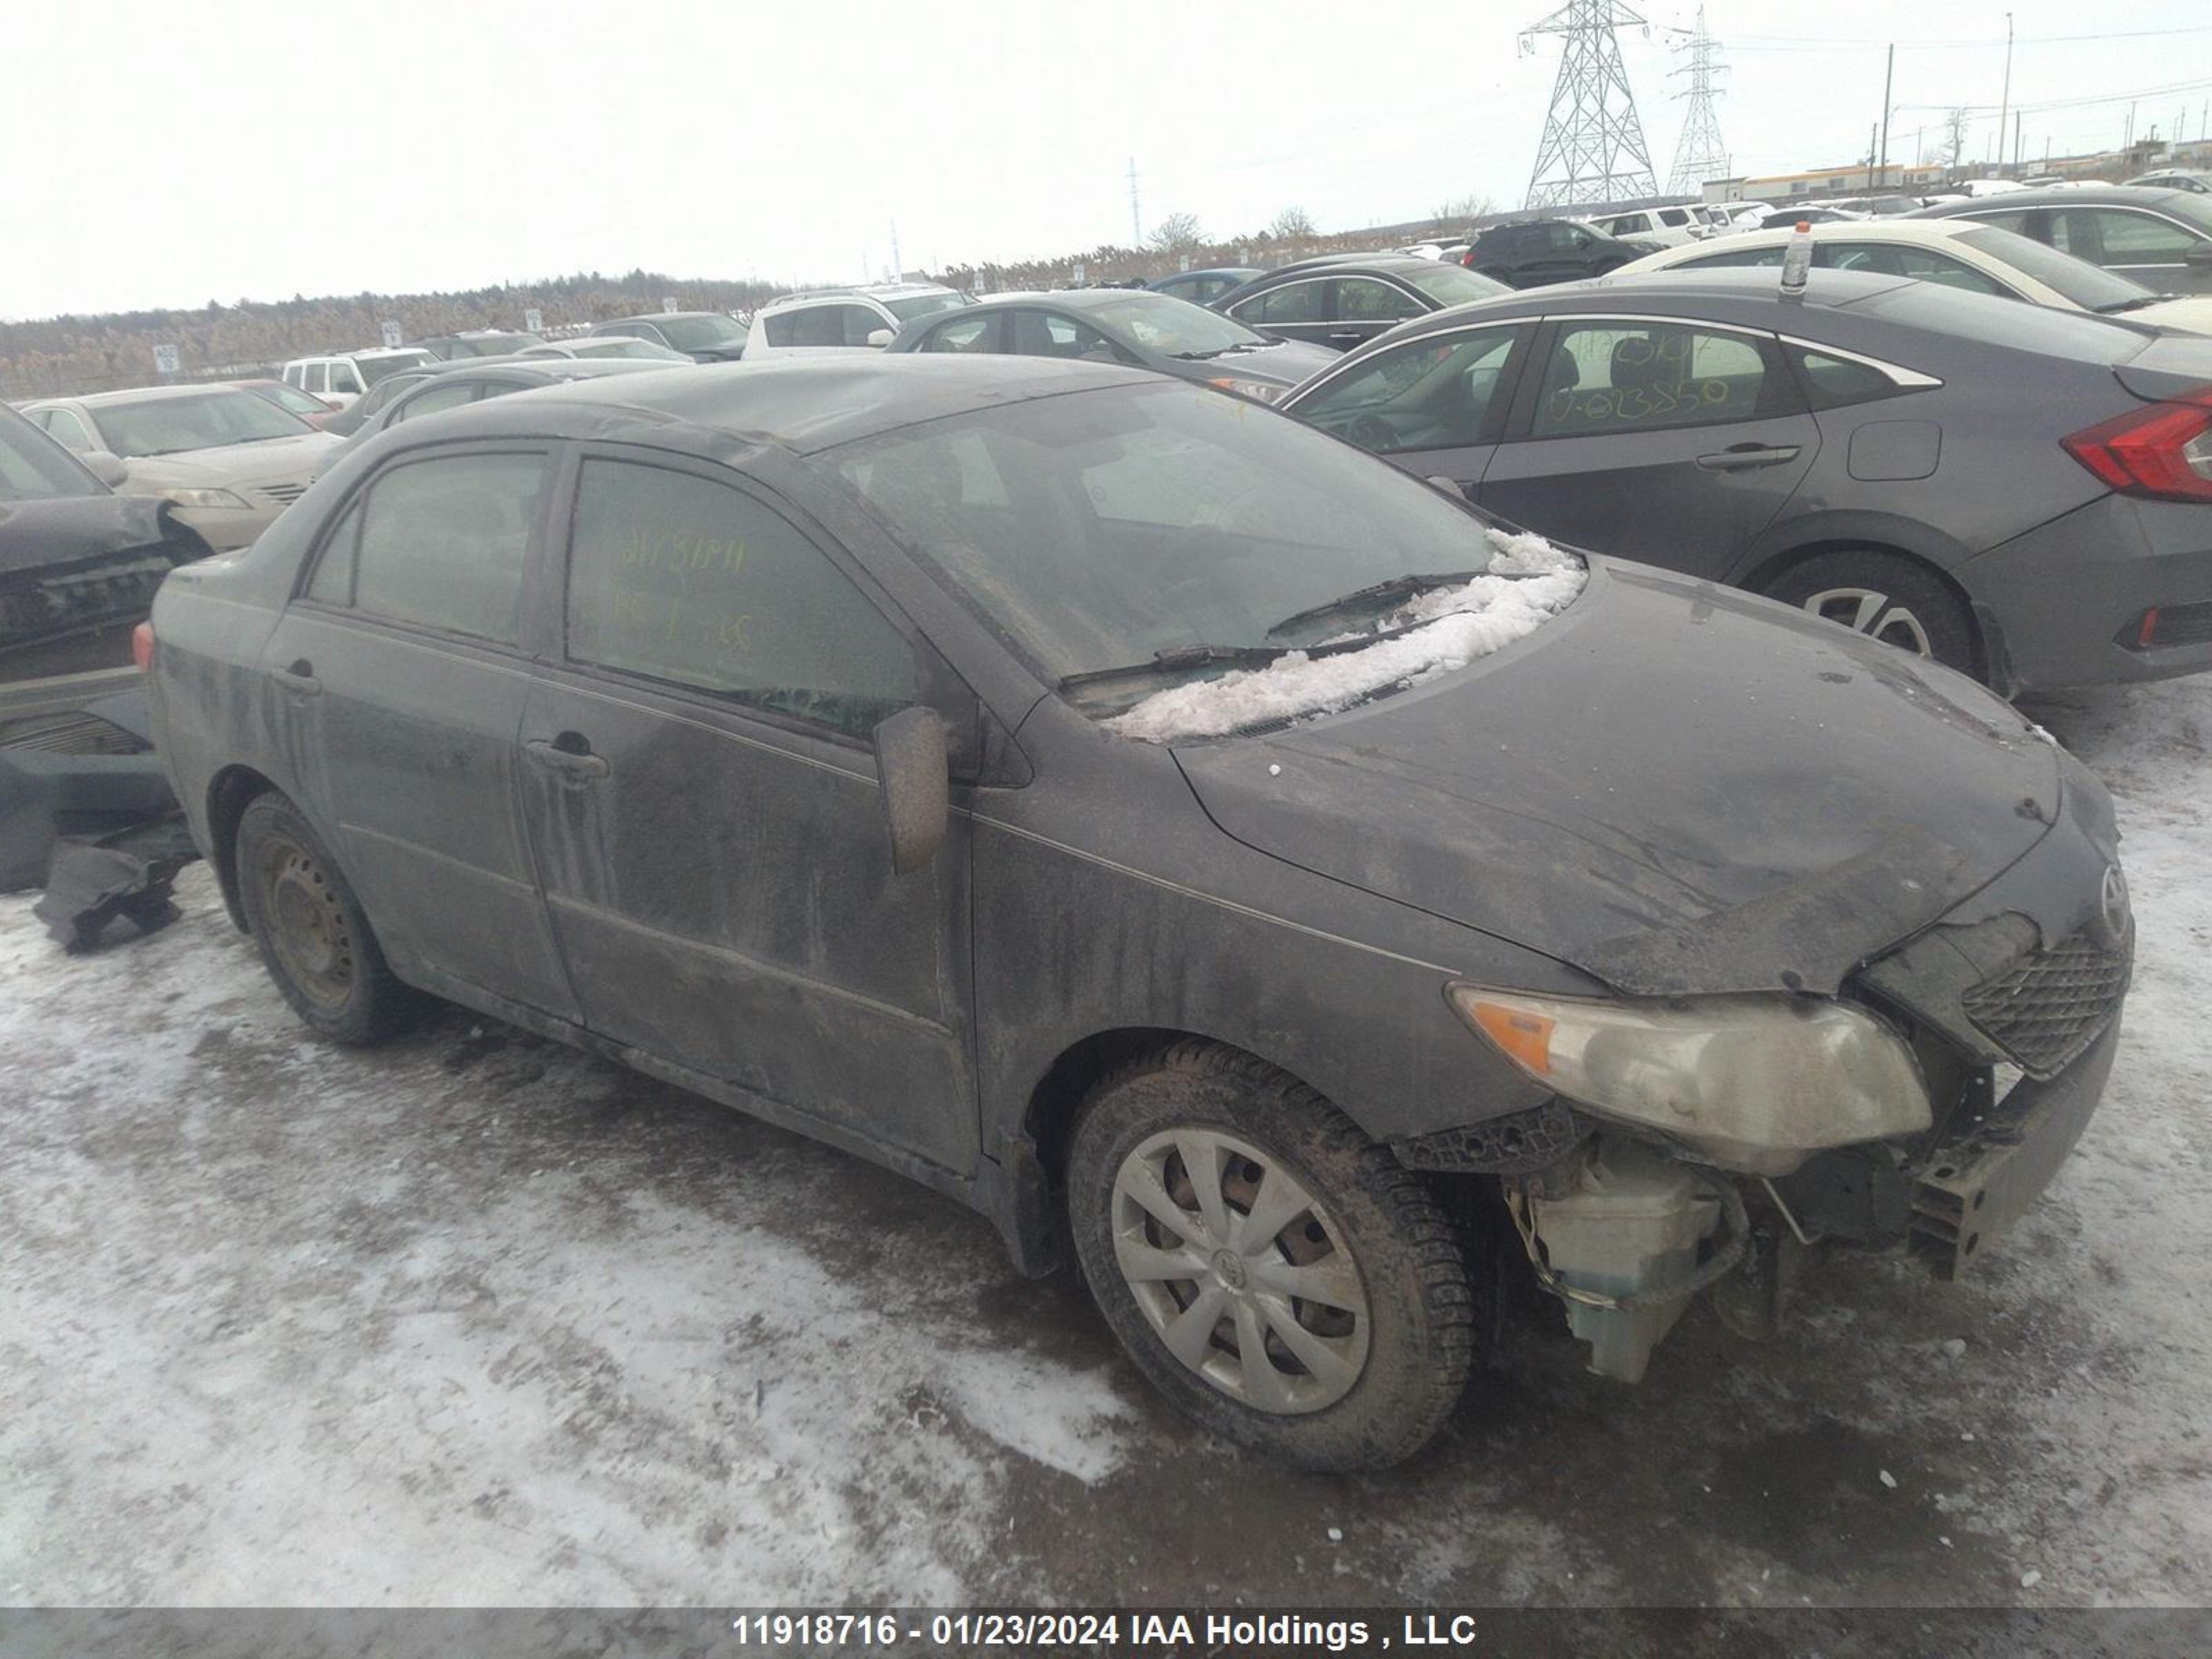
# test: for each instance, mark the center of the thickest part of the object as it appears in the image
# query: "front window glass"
(700, 333)
(681, 579)
(1173, 327)
(1293, 302)
(1048, 334)
(909, 308)
(1098, 528)
(31, 469)
(443, 394)
(442, 544)
(1362, 298)
(970, 334)
(202, 420)
(1432, 393)
(1608, 376)
(2114, 236)
(1453, 285)
(2088, 285)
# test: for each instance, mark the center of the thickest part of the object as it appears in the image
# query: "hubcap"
(1245, 1276)
(306, 925)
(1874, 614)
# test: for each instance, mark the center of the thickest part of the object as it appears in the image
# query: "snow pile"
(1528, 582)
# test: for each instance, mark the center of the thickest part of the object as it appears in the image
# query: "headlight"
(1260, 390)
(206, 498)
(1754, 1083)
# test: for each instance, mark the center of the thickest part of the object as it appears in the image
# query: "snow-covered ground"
(475, 1319)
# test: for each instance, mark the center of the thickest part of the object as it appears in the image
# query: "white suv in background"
(343, 376)
(1668, 226)
(844, 320)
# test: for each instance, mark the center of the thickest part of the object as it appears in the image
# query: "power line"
(1827, 42)
(1699, 154)
(1592, 149)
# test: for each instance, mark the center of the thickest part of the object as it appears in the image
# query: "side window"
(1362, 298)
(318, 377)
(859, 322)
(332, 582)
(1832, 382)
(2017, 221)
(66, 429)
(1607, 377)
(1433, 393)
(968, 334)
(808, 326)
(1952, 273)
(1044, 334)
(295, 374)
(345, 378)
(1750, 256)
(1675, 218)
(681, 579)
(443, 542)
(2117, 236)
(431, 399)
(1293, 302)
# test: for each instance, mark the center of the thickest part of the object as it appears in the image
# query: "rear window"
(2043, 330)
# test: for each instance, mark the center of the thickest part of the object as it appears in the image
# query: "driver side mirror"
(914, 766)
(106, 467)
(879, 337)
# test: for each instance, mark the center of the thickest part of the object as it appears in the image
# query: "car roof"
(144, 394)
(1211, 270)
(664, 316)
(1897, 229)
(1073, 299)
(2063, 195)
(558, 367)
(803, 405)
(1746, 291)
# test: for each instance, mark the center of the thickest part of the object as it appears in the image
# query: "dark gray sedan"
(2023, 494)
(1133, 327)
(2162, 238)
(1341, 300)
(1209, 853)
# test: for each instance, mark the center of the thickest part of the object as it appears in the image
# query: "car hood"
(65, 533)
(1675, 786)
(1285, 362)
(233, 463)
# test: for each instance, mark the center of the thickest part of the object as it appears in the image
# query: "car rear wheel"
(1270, 1270)
(1886, 597)
(314, 939)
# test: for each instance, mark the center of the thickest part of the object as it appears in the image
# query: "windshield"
(909, 307)
(34, 468)
(207, 420)
(1452, 285)
(1098, 529)
(700, 333)
(291, 397)
(2091, 287)
(491, 345)
(1173, 327)
(373, 369)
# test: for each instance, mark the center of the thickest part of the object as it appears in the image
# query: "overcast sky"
(167, 155)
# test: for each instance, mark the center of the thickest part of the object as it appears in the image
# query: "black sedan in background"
(2161, 237)
(1344, 302)
(1203, 288)
(2022, 493)
(1532, 253)
(1120, 326)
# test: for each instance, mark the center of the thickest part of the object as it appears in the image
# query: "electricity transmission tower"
(1593, 148)
(1699, 154)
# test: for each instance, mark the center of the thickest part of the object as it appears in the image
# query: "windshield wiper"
(2133, 302)
(1383, 593)
(1176, 660)
(1199, 356)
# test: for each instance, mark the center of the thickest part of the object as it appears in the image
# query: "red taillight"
(141, 646)
(2162, 450)
(1467, 258)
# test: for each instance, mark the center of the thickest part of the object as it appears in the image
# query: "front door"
(704, 810)
(395, 682)
(1671, 442)
(1434, 405)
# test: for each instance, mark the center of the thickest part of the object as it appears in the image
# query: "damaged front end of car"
(1702, 1144)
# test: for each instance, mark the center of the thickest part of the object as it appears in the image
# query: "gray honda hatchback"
(1216, 856)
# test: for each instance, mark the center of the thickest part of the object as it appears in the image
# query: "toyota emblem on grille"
(2112, 907)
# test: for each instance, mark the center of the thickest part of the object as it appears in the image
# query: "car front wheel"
(1278, 1275)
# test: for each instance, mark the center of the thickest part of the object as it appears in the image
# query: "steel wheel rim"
(1244, 1277)
(307, 923)
(1867, 610)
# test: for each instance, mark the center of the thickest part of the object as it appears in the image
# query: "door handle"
(1742, 458)
(571, 759)
(299, 678)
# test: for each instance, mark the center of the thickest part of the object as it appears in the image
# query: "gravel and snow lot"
(474, 1319)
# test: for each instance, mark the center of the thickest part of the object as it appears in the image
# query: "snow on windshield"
(1528, 582)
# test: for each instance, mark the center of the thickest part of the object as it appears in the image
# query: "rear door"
(703, 805)
(1295, 310)
(1361, 308)
(395, 681)
(1658, 439)
(1435, 406)
(2153, 248)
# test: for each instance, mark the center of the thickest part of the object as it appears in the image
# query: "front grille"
(2051, 1005)
(283, 494)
